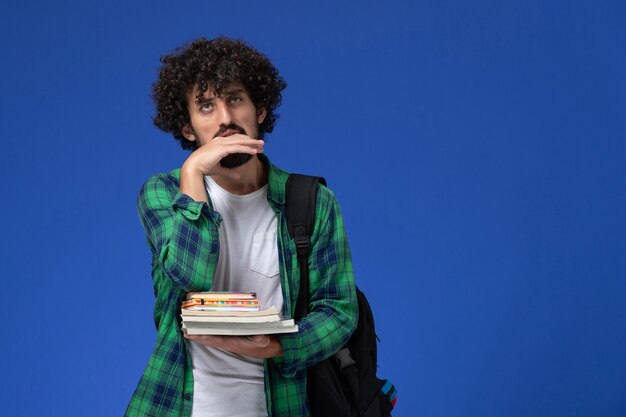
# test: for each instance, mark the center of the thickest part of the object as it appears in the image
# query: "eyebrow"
(232, 91)
(203, 100)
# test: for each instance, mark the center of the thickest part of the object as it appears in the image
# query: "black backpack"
(344, 385)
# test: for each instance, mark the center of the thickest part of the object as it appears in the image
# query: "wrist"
(192, 182)
(276, 349)
(189, 169)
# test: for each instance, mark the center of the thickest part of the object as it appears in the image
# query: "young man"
(218, 223)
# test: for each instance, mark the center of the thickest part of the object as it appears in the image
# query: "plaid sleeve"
(179, 231)
(332, 299)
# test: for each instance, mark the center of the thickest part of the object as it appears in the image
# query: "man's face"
(218, 116)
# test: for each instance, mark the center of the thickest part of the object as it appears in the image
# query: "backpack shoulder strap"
(300, 196)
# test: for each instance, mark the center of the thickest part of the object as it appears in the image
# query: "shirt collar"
(277, 179)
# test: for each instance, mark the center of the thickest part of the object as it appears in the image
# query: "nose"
(223, 113)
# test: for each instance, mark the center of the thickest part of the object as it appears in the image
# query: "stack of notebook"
(231, 313)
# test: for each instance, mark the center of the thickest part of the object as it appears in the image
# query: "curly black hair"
(214, 63)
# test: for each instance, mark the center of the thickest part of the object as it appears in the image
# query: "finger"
(242, 148)
(230, 149)
(245, 138)
(238, 138)
(227, 142)
(235, 149)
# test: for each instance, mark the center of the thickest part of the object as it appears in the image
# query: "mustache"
(231, 126)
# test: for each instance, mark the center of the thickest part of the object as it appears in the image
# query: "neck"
(252, 176)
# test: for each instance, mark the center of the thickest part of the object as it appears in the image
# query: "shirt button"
(188, 397)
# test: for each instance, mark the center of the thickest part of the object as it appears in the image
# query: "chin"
(235, 160)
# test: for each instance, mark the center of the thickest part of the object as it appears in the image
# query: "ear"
(188, 133)
(261, 113)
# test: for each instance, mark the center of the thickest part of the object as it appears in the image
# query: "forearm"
(180, 232)
(323, 332)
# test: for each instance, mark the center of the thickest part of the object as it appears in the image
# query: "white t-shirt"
(227, 384)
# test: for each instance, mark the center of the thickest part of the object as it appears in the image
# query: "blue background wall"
(477, 149)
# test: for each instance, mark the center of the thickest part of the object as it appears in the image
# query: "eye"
(206, 107)
(235, 99)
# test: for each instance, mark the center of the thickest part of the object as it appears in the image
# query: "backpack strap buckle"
(301, 238)
(344, 358)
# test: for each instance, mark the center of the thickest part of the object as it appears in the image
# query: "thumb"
(257, 338)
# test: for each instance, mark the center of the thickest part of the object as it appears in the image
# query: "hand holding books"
(258, 346)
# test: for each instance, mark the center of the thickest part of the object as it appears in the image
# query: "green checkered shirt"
(183, 237)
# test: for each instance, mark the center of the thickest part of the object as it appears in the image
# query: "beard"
(233, 160)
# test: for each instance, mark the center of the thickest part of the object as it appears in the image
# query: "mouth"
(229, 132)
